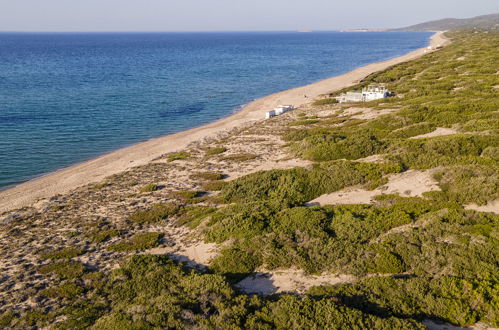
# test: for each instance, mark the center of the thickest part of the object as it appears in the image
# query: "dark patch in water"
(187, 109)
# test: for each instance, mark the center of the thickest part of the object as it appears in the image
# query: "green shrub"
(244, 157)
(491, 152)
(66, 253)
(386, 262)
(6, 318)
(149, 188)
(192, 216)
(99, 236)
(469, 184)
(296, 186)
(478, 125)
(63, 269)
(182, 155)
(241, 221)
(215, 151)
(186, 195)
(101, 185)
(304, 122)
(156, 213)
(235, 261)
(294, 312)
(412, 130)
(450, 299)
(67, 290)
(351, 147)
(213, 185)
(139, 242)
(208, 176)
(81, 314)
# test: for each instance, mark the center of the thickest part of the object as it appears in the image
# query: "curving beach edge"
(95, 170)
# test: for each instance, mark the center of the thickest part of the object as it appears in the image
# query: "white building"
(283, 109)
(375, 92)
(278, 111)
(370, 93)
(269, 114)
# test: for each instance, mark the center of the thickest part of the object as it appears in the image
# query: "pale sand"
(411, 183)
(288, 280)
(439, 131)
(65, 180)
(432, 325)
(492, 206)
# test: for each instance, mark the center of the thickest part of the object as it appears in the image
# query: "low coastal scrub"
(412, 130)
(182, 155)
(450, 299)
(304, 122)
(186, 196)
(156, 213)
(67, 290)
(469, 184)
(192, 216)
(103, 235)
(149, 188)
(139, 242)
(215, 151)
(412, 258)
(178, 298)
(297, 186)
(66, 253)
(351, 238)
(240, 157)
(213, 185)
(63, 269)
(207, 176)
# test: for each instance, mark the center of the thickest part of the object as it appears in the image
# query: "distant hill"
(485, 22)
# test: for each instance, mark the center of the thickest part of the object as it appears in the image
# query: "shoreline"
(66, 179)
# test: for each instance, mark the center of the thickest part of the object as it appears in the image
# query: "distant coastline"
(64, 180)
(364, 30)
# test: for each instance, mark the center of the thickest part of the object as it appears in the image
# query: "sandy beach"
(95, 170)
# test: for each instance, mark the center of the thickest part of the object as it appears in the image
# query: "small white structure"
(370, 93)
(269, 114)
(375, 92)
(278, 111)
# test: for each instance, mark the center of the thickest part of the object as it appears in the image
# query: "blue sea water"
(66, 98)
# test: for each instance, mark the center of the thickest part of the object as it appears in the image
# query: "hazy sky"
(215, 15)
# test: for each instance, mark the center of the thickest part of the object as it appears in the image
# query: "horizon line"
(208, 31)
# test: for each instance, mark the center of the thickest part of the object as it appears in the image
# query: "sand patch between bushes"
(288, 280)
(440, 131)
(411, 183)
(492, 206)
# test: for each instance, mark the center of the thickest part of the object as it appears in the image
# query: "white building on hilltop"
(370, 93)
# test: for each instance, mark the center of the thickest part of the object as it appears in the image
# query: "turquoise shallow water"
(66, 98)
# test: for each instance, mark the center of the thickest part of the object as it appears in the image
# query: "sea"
(69, 97)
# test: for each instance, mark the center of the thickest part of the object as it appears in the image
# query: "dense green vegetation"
(66, 253)
(414, 258)
(296, 186)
